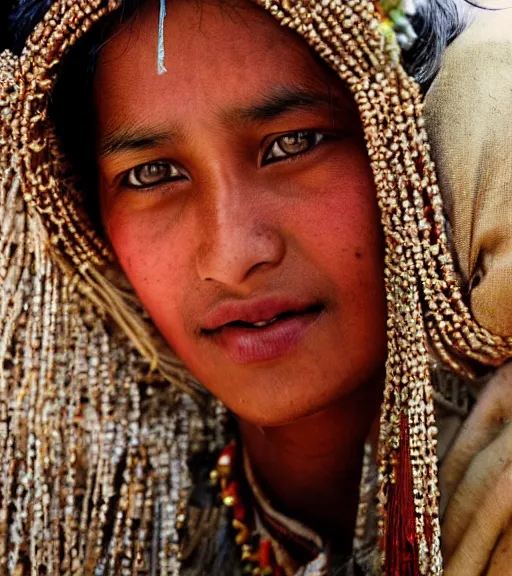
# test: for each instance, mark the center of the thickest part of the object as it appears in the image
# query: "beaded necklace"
(256, 553)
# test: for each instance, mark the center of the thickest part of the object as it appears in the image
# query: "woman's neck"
(311, 468)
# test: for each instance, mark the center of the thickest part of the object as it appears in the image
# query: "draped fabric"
(469, 121)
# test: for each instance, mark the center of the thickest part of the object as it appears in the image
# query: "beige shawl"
(469, 120)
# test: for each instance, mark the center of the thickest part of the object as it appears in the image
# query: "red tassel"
(401, 545)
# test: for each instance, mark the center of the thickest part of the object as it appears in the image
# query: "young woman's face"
(238, 197)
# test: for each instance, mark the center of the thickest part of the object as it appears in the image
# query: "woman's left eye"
(292, 144)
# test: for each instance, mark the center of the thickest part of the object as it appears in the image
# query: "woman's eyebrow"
(133, 138)
(281, 101)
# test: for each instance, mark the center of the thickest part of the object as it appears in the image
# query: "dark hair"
(437, 23)
(6, 7)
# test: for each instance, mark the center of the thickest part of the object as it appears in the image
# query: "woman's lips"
(246, 344)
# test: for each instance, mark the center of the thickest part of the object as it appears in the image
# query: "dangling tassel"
(401, 546)
(161, 48)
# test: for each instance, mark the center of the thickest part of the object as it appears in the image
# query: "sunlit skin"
(232, 212)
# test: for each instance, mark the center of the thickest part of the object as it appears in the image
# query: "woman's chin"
(289, 402)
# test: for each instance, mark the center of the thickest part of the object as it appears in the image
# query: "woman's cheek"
(152, 257)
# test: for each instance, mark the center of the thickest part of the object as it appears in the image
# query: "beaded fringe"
(62, 368)
(91, 464)
(93, 445)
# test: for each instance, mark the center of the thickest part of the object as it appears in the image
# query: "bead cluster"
(92, 466)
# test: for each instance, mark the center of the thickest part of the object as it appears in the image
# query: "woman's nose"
(239, 239)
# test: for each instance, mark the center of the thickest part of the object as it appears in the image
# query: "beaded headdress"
(93, 444)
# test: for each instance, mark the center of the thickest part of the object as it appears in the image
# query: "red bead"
(228, 452)
(230, 494)
(265, 554)
(225, 462)
(239, 510)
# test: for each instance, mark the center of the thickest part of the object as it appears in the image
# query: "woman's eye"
(292, 144)
(152, 174)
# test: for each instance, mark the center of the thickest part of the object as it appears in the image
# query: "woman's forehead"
(190, 26)
(220, 60)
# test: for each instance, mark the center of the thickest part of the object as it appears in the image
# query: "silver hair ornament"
(161, 46)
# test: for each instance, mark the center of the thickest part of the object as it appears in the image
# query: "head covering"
(90, 455)
(467, 111)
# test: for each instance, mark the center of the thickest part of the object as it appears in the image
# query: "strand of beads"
(348, 36)
(256, 553)
(65, 218)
